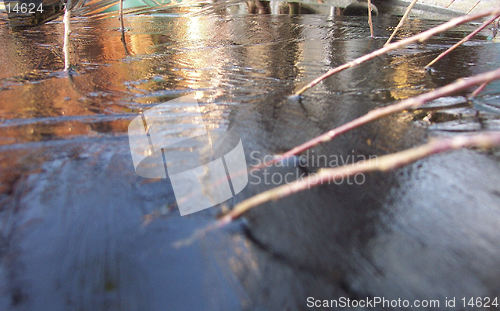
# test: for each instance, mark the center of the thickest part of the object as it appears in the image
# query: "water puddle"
(81, 230)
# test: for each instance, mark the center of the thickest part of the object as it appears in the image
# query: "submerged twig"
(383, 163)
(467, 38)
(370, 22)
(401, 22)
(419, 37)
(410, 103)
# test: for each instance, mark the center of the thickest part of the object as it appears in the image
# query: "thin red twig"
(478, 90)
(383, 163)
(474, 6)
(396, 45)
(467, 38)
(401, 22)
(378, 113)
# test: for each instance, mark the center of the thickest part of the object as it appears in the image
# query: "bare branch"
(478, 90)
(396, 45)
(383, 163)
(410, 103)
(467, 38)
(474, 6)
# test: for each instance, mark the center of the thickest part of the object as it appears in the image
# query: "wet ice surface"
(80, 230)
